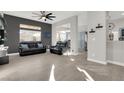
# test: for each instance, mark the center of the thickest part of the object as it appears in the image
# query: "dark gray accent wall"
(13, 31)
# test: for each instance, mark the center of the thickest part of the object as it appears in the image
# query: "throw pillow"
(25, 46)
(40, 45)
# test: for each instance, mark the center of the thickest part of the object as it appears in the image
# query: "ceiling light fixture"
(43, 18)
(43, 15)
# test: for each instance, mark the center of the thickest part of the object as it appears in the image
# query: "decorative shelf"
(92, 31)
(99, 26)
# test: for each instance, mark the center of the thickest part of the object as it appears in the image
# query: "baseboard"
(13, 54)
(97, 61)
(115, 62)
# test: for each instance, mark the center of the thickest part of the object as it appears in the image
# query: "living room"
(25, 36)
(57, 45)
(78, 49)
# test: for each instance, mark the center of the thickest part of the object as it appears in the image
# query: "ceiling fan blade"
(49, 14)
(52, 16)
(40, 18)
(49, 18)
(36, 14)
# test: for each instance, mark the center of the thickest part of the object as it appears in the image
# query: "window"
(63, 35)
(30, 33)
(63, 32)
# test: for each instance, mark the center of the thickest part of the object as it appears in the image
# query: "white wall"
(115, 48)
(97, 40)
(74, 32)
(82, 21)
(115, 53)
(79, 23)
(82, 28)
(119, 23)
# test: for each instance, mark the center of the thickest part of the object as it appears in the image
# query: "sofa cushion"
(34, 49)
(25, 46)
(31, 45)
(40, 45)
(56, 48)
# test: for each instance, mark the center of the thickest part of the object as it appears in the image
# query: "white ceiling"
(60, 15)
(114, 15)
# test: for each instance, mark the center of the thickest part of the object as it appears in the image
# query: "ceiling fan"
(44, 16)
